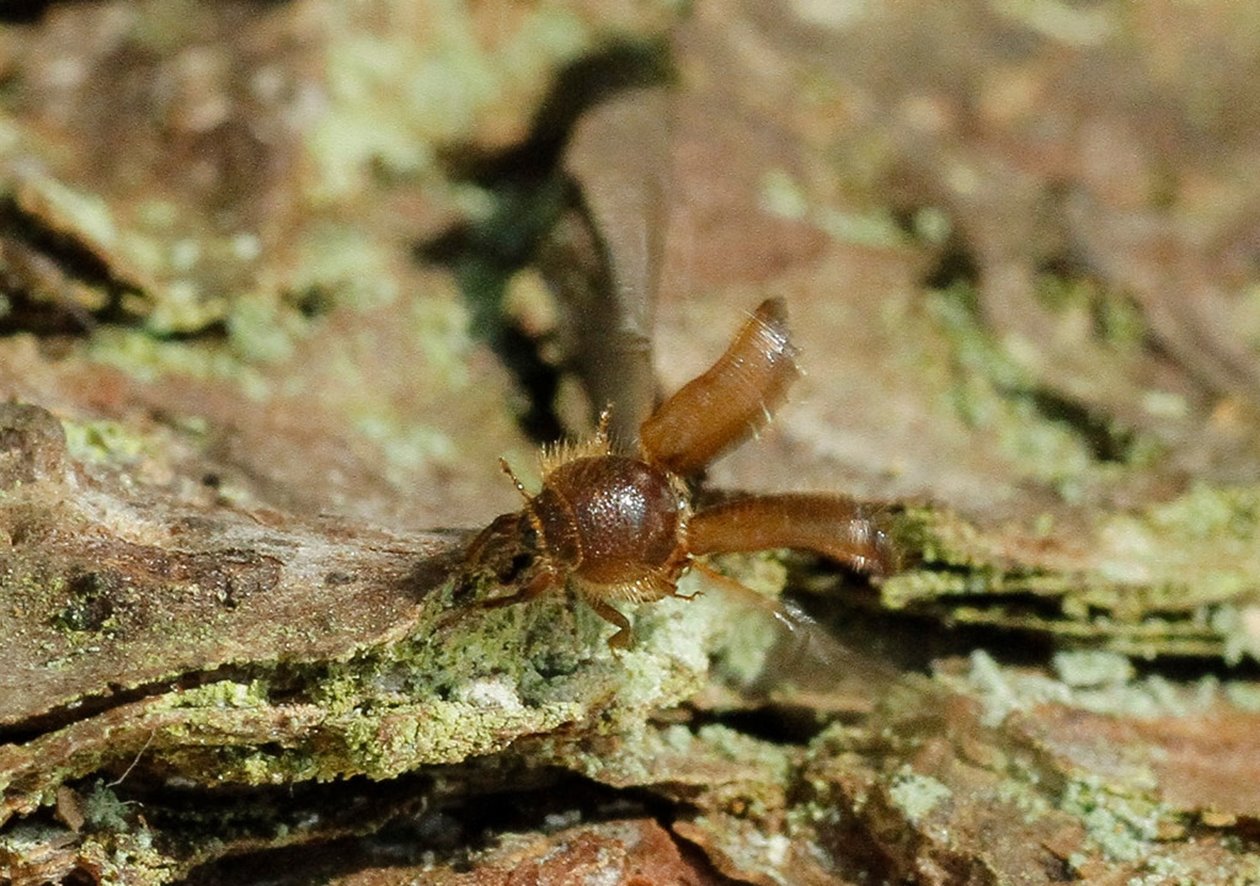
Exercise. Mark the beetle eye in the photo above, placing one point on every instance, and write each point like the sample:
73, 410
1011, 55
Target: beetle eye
513, 570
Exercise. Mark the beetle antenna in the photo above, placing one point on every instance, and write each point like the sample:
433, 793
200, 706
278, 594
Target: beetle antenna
601, 429
520, 487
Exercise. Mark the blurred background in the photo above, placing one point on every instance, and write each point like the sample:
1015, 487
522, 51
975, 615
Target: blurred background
342, 250
319, 258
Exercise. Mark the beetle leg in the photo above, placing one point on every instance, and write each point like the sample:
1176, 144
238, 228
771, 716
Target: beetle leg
805, 656
544, 581
832, 525
647, 588
623, 639
731, 401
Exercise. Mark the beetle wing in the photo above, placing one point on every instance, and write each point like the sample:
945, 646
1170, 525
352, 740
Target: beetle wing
836, 526
729, 402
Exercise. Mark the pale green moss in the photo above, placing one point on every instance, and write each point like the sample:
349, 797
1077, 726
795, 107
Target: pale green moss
678, 739
397, 739
103, 810
439, 324
467, 690
147, 358
768, 760
465, 684
1178, 578
182, 304
103, 441
1086, 667
1122, 826
394, 101
1002, 693
89, 213
874, 227
1160, 870
1245, 696
1063, 22
361, 272
916, 795
1022, 789
222, 694
782, 195
134, 858
933, 225
405, 445
261, 330
994, 395
24, 840
753, 632
1108, 691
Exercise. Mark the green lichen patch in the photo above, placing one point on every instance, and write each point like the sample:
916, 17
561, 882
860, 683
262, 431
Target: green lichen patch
1045, 434
1088, 667
461, 686
1099, 682
916, 795
105, 441
1121, 826
1174, 578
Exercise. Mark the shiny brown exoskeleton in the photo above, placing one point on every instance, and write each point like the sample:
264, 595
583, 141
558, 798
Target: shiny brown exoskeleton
621, 528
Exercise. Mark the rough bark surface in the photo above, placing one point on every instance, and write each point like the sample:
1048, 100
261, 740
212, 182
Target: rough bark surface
280, 283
